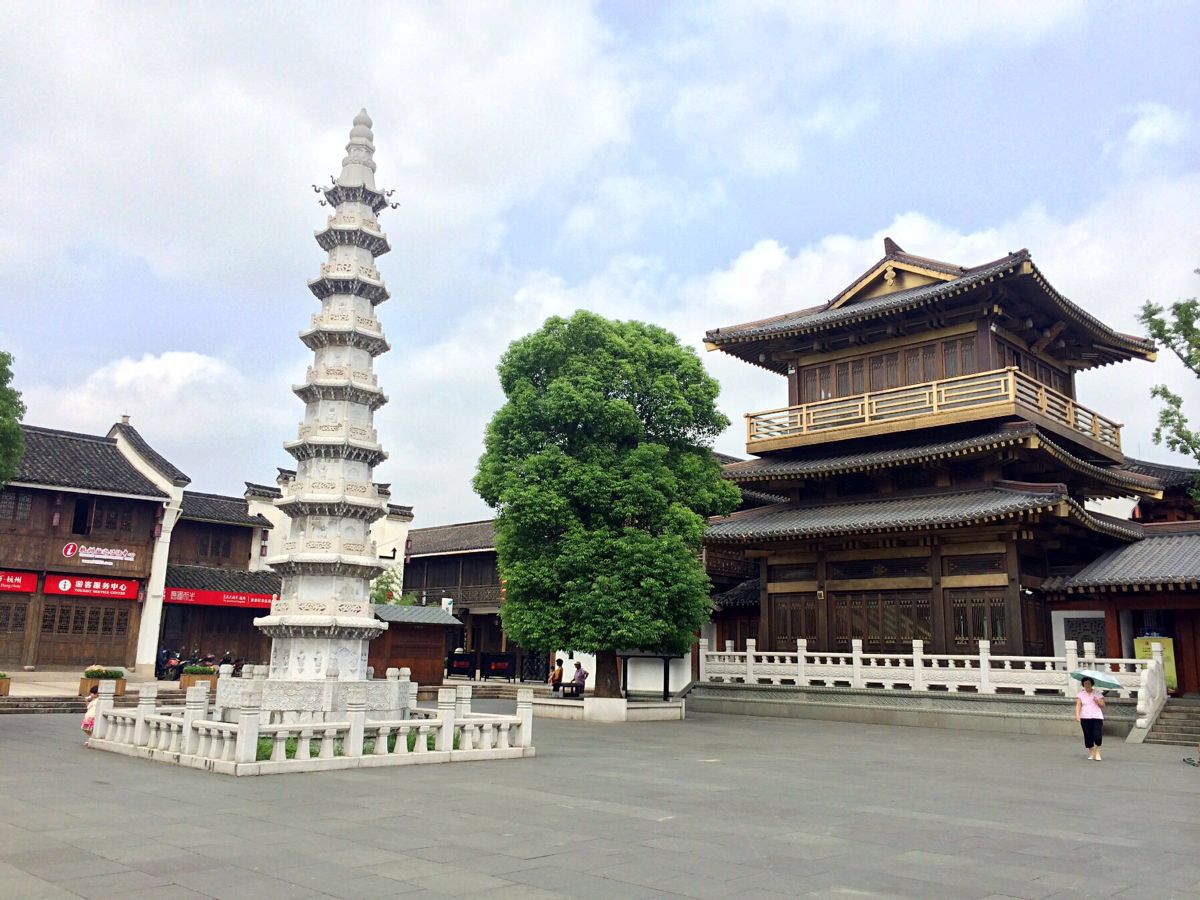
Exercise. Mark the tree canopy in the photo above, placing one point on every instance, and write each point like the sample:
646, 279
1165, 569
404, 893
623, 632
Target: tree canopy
12, 442
1178, 329
600, 469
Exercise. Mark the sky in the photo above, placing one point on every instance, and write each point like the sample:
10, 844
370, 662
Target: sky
690, 164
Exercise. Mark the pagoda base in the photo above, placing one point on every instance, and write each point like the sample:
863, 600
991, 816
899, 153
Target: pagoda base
283, 700
315, 648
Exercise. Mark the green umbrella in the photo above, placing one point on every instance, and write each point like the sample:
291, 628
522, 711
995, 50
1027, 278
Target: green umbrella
1099, 679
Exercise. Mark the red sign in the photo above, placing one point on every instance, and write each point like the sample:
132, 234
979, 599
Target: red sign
217, 598
70, 550
91, 586
21, 582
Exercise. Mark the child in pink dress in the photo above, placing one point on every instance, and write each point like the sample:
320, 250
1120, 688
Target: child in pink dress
89, 716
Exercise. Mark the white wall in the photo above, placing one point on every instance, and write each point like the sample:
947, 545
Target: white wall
1059, 631
645, 675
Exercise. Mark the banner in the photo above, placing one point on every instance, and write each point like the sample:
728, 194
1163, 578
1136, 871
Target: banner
217, 598
91, 586
1142, 650
21, 582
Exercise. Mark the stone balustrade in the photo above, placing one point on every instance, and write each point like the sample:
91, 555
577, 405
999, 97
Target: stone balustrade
982, 673
337, 432
196, 737
314, 374
345, 321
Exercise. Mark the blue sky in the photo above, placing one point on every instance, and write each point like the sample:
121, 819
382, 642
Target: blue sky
691, 164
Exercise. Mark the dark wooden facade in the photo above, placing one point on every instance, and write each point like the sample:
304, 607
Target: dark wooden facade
213, 544
420, 648
934, 461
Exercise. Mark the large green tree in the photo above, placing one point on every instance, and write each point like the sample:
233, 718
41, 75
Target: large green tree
600, 469
1178, 329
12, 442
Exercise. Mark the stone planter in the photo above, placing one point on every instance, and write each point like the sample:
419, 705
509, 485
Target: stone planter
187, 681
86, 685
4, 684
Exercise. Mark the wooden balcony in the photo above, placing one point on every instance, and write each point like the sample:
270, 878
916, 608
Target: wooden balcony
987, 395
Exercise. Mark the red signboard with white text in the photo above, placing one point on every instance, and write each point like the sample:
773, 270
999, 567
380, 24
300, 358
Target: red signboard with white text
217, 598
91, 586
21, 582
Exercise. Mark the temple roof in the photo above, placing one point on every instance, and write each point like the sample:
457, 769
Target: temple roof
921, 512
148, 453
414, 615
199, 507
744, 594
85, 462
233, 581
1169, 555
933, 283
464, 537
918, 447
1169, 476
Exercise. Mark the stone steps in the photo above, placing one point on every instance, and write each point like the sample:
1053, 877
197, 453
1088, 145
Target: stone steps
1178, 723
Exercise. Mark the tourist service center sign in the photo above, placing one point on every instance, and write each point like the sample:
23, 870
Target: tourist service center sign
96, 555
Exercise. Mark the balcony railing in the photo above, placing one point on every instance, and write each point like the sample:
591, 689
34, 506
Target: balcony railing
964, 397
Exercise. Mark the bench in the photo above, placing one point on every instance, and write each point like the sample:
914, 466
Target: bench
571, 689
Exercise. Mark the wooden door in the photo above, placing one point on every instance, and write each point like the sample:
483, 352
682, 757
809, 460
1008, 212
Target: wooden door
793, 616
14, 610
78, 632
1187, 650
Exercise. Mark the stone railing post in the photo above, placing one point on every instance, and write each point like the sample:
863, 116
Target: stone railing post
462, 700
1072, 662
448, 703
729, 646
356, 715
856, 678
105, 692
147, 694
985, 668
751, 647
702, 651
246, 747
1089, 651
370, 673
918, 666
801, 662
194, 709
395, 702
525, 714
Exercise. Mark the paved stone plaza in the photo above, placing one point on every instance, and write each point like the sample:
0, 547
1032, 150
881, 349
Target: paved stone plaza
713, 807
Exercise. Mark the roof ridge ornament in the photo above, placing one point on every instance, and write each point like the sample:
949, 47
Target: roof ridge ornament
890, 247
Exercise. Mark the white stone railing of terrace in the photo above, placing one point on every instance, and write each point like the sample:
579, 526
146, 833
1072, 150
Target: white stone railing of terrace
193, 736
982, 673
965, 396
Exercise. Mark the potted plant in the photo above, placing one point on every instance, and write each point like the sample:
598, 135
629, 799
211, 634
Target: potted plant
93, 675
193, 675
5, 681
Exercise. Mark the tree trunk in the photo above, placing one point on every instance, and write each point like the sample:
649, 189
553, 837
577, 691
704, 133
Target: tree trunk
608, 682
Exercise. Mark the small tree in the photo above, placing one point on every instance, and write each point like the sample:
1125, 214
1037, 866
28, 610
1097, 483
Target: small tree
387, 587
12, 442
600, 471
1179, 330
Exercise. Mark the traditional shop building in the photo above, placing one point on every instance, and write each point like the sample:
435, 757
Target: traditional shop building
78, 527
216, 581
936, 465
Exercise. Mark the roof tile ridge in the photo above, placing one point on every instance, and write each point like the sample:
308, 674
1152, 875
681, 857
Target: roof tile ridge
77, 435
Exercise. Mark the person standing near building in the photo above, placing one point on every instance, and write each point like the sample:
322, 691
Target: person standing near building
1089, 713
556, 678
89, 715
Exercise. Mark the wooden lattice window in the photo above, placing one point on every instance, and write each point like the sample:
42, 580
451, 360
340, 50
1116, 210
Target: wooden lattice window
896, 567
883, 620
12, 617
973, 564
978, 615
792, 572
793, 616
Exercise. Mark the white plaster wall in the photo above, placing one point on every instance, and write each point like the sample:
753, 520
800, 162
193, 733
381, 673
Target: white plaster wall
390, 534
265, 508
644, 674
1059, 631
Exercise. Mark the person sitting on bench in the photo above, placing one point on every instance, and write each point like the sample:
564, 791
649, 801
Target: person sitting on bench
575, 688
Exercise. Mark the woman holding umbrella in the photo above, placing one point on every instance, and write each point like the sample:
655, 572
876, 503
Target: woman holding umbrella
1089, 711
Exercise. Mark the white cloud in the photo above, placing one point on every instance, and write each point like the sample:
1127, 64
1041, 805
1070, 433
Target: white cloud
620, 205
1155, 132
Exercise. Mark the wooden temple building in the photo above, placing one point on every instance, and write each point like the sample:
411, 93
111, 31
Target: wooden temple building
932, 464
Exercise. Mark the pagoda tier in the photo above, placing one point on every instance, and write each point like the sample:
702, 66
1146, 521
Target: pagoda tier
321, 621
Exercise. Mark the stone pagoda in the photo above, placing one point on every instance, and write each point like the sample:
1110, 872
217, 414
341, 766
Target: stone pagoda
321, 622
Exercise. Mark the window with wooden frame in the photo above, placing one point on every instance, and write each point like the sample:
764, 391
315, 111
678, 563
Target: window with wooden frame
958, 357
977, 615
885, 621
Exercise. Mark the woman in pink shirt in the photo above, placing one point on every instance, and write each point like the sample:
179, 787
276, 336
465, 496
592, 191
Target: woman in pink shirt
1089, 713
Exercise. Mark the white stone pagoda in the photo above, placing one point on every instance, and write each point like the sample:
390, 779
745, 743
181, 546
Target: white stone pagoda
321, 622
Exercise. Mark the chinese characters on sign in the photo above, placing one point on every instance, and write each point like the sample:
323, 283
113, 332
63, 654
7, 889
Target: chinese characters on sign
84, 586
217, 598
21, 582
98, 556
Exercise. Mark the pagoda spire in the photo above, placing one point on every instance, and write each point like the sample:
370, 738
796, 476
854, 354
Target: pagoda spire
322, 620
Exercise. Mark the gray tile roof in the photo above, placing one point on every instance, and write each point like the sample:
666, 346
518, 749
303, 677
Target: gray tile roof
263, 491
211, 578
1170, 476
200, 507
920, 447
459, 538
893, 514
81, 461
827, 316
414, 615
1157, 559
744, 594
159, 462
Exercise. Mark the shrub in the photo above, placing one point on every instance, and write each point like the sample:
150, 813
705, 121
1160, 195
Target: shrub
103, 674
3, 675
199, 670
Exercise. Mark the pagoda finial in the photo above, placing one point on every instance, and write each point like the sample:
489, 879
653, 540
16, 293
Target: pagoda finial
359, 165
